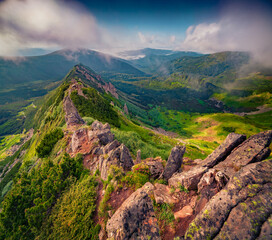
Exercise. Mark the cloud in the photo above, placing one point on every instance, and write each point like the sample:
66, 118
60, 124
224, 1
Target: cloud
50, 23
146, 39
172, 39
246, 31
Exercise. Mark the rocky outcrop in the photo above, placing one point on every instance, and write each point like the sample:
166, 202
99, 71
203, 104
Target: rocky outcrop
174, 161
119, 157
240, 209
72, 116
188, 179
135, 219
101, 132
220, 153
254, 149
155, 167
79, 138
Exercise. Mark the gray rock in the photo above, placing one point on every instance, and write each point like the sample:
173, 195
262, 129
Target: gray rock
110, 146
155, 168
138, 158
119, 157
188, 179
135, 219
174, 161
207, 179
254, 149
72, 116
240, 209
220, 153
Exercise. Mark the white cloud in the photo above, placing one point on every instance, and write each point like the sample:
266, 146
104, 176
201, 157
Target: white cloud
146, 39
234, 32
172, 39
46, 23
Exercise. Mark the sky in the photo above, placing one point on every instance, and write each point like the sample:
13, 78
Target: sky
114, 26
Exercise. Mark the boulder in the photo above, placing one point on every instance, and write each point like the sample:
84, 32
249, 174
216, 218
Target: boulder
188, 179
240, 209
72, 116
155, 167
174, 161
266, 231
162, 194
219, 154
135, 219
254, 149
184, 212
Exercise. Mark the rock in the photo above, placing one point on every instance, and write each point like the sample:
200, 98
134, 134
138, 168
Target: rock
266, 231
254, 149
162, 194
79, 138
221, 180
110, 146
126, 161
220, 153
138, 158
188, 179
119, 157
207, 179
72, 116
184, 212
155, 168
135, 219
126, 109
101, 132
174, 161
239, 209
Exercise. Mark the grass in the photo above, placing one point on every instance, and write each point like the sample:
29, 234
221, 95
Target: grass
7, 142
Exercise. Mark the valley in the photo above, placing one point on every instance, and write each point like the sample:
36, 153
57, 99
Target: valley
83, 133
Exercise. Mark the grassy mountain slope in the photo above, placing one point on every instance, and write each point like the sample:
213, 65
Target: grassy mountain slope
153, 60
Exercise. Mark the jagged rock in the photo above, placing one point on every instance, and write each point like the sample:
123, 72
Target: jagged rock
155, 167
162, 194
254, 149
135, 219
174, 161
221, 179
72, 116
207, 179
239, 209
126, 161
138, 158
119, 157
79, 137
101, 132
184, 212
220, 153
188, 179
110, 146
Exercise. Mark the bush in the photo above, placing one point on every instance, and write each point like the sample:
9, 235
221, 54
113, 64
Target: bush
48, 142
95, 106
135, 180
141, 168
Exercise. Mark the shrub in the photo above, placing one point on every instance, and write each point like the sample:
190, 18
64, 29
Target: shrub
141, 168
48, 142
183, 189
